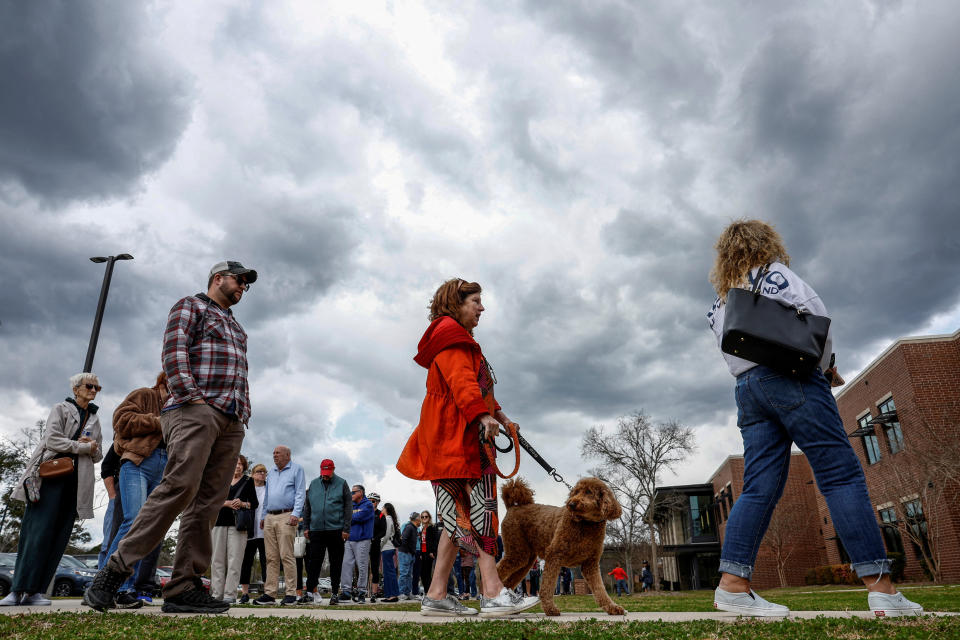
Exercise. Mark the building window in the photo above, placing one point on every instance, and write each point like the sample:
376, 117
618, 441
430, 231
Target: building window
915, 518
891, 427
702, 523
891, 533
871, 444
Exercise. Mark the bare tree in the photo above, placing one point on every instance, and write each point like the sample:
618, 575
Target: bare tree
926, 477
782, 538
626, 533
633, 458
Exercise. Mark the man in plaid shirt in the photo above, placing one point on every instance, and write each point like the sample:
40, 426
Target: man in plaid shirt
205, 359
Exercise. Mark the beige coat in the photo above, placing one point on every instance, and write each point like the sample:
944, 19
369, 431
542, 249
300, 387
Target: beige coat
61, 425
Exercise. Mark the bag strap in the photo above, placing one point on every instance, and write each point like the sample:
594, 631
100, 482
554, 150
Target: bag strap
761, 274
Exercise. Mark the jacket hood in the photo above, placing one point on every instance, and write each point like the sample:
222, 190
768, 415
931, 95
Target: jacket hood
443, 333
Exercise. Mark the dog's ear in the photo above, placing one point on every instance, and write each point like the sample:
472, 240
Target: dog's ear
609, 505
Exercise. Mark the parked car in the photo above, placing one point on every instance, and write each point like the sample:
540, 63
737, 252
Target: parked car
7, 562
89, 559
72, 577
169, 571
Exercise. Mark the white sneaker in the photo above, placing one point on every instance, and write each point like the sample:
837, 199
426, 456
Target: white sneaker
317, 598
12, 599
35, 600
885, 605
506, 603
448, 606
747, 604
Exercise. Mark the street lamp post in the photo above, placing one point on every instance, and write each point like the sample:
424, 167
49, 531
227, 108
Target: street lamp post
104, 288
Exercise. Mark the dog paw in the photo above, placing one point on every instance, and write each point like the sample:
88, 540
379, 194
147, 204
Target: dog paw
615, 610
551, 611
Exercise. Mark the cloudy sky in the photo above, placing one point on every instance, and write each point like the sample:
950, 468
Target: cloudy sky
578, 159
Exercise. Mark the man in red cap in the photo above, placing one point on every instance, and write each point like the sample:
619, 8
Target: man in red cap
327, 514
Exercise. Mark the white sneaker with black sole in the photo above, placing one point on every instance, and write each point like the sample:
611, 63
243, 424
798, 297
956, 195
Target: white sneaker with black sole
506, 603
886, 605
747, 604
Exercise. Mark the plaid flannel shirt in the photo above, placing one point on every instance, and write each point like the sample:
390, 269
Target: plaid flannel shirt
205, 357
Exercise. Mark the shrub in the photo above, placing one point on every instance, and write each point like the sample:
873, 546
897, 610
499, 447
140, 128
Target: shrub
897, 564
832, 574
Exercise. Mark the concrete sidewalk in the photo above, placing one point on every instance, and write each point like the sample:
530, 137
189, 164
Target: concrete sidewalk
323, 612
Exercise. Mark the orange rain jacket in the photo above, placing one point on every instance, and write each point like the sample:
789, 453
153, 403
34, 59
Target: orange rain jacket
446, 442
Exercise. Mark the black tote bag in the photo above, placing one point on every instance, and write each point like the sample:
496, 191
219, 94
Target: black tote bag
772, 333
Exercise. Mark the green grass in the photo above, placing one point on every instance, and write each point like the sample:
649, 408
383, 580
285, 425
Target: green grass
831, 598
69, 626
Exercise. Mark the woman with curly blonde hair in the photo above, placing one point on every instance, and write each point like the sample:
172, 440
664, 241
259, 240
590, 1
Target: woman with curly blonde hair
775, 411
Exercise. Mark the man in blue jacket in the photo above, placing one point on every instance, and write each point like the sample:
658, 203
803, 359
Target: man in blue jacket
357, 550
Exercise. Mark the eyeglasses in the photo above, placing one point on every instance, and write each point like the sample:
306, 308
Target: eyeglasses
356, 491
91, 387
260, 471
424, 517
243, 284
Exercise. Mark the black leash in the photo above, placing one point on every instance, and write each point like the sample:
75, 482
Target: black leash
551, 471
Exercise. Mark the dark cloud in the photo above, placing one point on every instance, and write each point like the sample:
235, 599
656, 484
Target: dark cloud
89, 105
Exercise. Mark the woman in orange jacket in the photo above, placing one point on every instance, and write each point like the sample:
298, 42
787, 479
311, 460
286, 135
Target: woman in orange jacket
445, 449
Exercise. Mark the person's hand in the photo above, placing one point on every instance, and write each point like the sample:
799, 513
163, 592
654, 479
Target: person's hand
834, 377
489, 426
306, 534
294, 521
346, 535
261, 524
93, 446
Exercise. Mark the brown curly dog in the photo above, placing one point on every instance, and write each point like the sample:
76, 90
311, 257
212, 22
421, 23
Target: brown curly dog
565, 536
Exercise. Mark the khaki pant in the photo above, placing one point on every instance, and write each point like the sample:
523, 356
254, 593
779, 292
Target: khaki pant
228, 547
278, 535
202, 447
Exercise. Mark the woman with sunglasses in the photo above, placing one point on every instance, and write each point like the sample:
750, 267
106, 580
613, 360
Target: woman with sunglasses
255, 543
72, 431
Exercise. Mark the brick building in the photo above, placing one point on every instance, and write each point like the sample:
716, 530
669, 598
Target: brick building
902, 413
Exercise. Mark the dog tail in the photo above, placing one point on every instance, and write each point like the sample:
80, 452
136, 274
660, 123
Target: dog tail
516, 493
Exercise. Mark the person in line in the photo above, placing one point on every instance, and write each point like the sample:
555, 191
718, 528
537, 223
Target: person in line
255, 544
205, 359
445, 448
776, 411
379, 530
468, 563
566, 575
229, 541
357, 550
327, 516
429, 541
110, 474
646, 577
138, 439
405, 554
71, 431
286, 494
619, 580
388, 555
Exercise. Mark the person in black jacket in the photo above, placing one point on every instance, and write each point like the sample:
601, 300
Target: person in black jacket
406, 552
429, 541
379, 530
229, 543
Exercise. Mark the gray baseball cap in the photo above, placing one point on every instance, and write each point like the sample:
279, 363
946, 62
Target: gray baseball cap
234, 267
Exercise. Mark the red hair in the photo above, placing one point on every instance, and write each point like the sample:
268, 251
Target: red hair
450, 296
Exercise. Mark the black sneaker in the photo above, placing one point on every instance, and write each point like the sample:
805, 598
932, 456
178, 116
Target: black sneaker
102, 592
193, 601
127, 600
333, 599
288, 600
265, 599
245, 598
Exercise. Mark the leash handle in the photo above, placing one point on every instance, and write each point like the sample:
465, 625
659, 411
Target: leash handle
490, 445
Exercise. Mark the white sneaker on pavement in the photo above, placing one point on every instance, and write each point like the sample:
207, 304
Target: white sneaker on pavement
12, 599
506, 603
885, 605
747, 604
35, 600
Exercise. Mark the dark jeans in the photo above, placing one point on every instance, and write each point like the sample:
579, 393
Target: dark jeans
426, 571
321, 543
415, 582
375, 564
44, 534
254, 545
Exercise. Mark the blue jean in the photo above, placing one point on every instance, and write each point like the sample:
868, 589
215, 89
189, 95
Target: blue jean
406, 573
775, 411
107, 534
621, 587
470, 580
136, 483
390, 586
